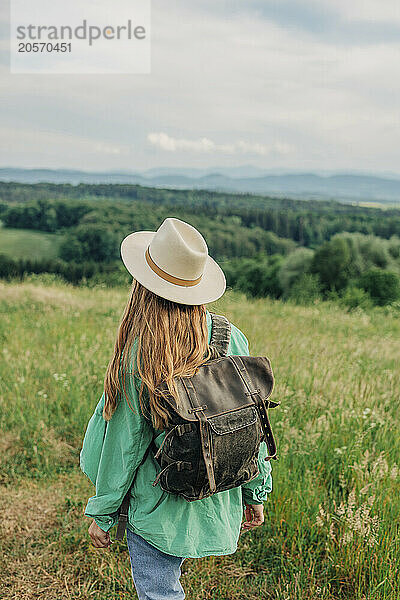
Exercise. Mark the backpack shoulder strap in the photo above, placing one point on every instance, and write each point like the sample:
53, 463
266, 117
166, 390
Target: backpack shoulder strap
220, 334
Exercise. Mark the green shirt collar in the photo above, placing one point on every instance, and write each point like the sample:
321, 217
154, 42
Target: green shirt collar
209, 324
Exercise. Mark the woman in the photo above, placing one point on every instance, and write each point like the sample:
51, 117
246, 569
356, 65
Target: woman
164, 332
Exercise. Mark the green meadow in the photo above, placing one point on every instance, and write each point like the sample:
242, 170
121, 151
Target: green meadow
26, 243
332, 520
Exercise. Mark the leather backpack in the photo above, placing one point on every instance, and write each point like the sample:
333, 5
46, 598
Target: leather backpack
215, 430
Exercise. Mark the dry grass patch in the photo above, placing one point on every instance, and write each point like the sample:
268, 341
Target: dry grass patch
45, 548
28, 510
8, 445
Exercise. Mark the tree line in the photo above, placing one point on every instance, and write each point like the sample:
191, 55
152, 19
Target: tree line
49, 207
282, 248
357, 269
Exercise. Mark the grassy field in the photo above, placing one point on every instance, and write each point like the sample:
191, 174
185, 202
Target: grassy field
332, 520
25, 243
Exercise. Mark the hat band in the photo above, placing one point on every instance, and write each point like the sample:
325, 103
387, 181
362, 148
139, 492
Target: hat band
167, 276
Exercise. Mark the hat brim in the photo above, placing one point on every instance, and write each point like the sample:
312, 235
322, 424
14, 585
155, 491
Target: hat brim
211, 286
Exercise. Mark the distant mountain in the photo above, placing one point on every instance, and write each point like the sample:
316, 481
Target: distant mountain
66, 176
234, 172
346, 187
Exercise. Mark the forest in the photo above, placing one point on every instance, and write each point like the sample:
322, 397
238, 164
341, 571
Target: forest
282, 248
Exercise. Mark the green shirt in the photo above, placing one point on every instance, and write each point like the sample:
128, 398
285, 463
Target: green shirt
110, 455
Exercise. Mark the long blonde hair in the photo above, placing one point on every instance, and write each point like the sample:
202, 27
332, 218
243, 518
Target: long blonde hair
171, 340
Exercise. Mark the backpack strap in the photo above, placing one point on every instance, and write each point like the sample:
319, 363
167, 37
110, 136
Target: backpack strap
262, 407
123, 509
205, 434
220, 335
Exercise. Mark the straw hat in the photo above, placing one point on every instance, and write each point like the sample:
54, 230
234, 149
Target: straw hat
173, 262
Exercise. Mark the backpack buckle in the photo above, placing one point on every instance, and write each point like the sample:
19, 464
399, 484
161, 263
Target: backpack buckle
181, 465
197, 408
183, 428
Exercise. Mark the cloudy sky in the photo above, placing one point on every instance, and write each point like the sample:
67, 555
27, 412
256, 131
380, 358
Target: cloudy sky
290, 84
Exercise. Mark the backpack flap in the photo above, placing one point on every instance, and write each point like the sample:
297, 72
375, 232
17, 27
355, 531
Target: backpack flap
233, 421
218, 389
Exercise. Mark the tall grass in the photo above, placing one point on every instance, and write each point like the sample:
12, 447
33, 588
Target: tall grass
332, 520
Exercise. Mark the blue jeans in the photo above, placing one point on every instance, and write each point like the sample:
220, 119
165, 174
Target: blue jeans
155, 574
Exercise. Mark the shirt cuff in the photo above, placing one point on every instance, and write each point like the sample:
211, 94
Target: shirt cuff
259, 493
249, 497
105, 522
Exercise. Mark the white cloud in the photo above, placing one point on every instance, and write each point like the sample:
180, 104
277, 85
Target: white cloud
108, 149
170, 144
165, 142
223, 87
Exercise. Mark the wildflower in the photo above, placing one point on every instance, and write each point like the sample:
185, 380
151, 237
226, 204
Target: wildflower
366, 412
